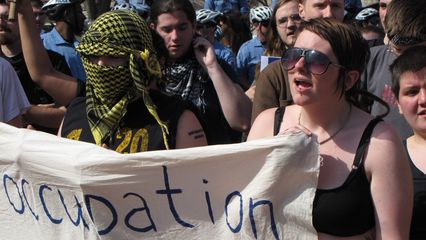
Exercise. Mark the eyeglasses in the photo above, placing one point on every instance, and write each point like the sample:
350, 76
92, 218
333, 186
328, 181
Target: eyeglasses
282, 22
398, 44
315, 62
262, 23
406, 41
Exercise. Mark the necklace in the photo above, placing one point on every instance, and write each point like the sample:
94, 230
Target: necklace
337, 131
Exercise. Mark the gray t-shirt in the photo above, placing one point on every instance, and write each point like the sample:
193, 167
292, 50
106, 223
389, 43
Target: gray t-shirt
377, 78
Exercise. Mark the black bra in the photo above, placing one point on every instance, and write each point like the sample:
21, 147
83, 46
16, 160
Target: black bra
347, 210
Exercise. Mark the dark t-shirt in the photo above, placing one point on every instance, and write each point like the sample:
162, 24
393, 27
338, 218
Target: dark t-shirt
35, 94
377, 79
201, 93
418, 220
213, 120
138, 130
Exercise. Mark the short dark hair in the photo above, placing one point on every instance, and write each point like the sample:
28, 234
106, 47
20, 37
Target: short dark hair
411, 60
168, 6
406, 19
346, 42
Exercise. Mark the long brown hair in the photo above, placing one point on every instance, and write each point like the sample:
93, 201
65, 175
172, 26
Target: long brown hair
274, 45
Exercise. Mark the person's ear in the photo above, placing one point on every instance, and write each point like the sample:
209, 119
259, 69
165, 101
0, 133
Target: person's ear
351, 78
399, 107
302, 11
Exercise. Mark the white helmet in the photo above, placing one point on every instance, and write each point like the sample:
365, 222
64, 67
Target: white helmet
206, 15
55, 8
125, 6
366, 13
53, 3
260, 14
138, 6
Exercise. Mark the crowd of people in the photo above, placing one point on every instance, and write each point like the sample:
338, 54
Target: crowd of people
157, 75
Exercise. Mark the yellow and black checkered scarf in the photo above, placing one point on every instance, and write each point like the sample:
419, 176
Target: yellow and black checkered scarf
109, 90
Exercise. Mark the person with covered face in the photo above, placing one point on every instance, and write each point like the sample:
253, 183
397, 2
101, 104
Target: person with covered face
121, 109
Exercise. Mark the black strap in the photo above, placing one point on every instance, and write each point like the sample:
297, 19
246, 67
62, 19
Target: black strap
279, 113
364, 142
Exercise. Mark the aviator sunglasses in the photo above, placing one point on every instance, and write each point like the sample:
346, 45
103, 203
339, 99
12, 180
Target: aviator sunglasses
315, 62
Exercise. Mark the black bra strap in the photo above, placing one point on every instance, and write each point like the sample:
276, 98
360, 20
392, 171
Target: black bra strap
279, 113
364, 142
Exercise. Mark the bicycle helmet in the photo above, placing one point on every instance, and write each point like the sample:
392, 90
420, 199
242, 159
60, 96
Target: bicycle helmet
206, 15
125, 6
138, 6
366, 13
55, 8
260, 14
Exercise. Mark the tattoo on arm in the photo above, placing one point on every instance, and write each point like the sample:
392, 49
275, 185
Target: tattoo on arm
196, 134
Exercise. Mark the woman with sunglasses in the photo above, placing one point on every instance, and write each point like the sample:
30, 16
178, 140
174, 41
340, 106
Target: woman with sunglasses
364, 188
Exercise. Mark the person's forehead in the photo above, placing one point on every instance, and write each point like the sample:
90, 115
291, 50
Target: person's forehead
178, 16
291, 5
4, 6
385, 1
411, 76
324, 1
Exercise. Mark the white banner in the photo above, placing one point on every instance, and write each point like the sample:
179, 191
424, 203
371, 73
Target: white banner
55, 188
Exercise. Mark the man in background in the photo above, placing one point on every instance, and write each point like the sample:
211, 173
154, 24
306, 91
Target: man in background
69, 21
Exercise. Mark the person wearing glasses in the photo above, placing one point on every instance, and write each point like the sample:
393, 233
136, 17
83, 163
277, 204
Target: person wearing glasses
409, 87
207, 23
405, 28
250, 52
364, 188
273, 89
282, 34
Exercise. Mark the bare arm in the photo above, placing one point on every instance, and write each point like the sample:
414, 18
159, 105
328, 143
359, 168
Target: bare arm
50, 117
16, 122
391, 184
235, 104
263, 125
189, 131
61, 87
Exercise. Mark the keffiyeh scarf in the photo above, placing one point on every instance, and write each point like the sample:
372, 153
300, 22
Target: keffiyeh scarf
109, 89
186, 78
